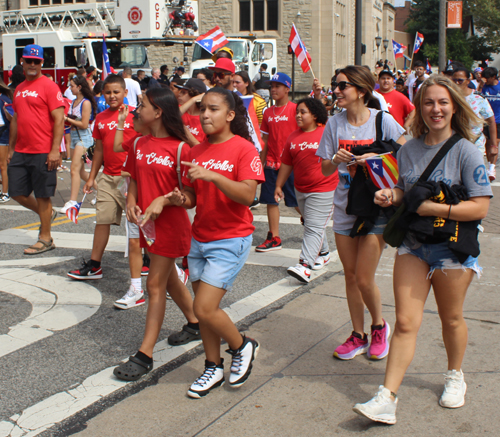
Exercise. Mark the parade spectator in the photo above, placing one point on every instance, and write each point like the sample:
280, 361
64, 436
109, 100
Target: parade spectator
92, 76
415, 80
67, 93
277, 124
356, 127
400, 106
189, 99
164, 76
17, 77
36, 133
153, 80
261, 82
491, 91
478, 83
134, 93
242, 84
222, 194
313, 191
6, 95
141, 78
441, 111
110, 201
400, 87
173, 83
224, 52
81, 112
206, 76
223, 73
179, 71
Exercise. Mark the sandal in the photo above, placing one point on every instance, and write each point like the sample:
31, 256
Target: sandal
185, 336
46, 246
132, 370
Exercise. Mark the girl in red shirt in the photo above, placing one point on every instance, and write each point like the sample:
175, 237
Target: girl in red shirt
220, 178
314, 192
153, 173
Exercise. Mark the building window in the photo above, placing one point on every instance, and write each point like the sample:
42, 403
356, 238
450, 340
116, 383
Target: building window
341, 32
258, 15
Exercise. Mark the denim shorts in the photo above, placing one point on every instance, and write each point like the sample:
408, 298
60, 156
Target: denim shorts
378, 228
217, 263
133, 230
439, 256
268, 187
81, 137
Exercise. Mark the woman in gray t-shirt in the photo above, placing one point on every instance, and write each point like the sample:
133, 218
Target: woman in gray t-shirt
440, 111
356, 126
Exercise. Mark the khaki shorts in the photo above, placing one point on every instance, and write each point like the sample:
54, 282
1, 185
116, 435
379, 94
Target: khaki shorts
110, 201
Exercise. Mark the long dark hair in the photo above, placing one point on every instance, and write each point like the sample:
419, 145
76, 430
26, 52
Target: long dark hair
5, 90
234, 103
17, 76
164, 99
86, 91
248, 82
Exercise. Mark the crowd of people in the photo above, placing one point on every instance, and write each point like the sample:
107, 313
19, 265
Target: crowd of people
184, 159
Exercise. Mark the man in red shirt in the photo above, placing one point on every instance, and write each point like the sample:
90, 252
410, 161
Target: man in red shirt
278, 122
36, 133
223, 73
399, 105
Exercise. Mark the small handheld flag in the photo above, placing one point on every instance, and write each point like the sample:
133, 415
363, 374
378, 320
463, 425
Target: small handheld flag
398, 49
383, 170
300, 50
212, 40
419, 39
72, 212
429, 67
106, 67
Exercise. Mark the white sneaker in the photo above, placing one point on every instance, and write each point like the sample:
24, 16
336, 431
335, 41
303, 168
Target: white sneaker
131, 299
302, 272
183, 276
212, 377
241, 365
380, 408
454, 390
68, 205
492, 174
322, 260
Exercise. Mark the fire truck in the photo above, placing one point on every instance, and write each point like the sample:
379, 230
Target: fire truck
72, 35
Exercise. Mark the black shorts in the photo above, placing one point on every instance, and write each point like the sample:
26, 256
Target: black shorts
268, 187
486, 131
28, 173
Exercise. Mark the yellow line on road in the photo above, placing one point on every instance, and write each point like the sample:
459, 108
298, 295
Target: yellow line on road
57, 222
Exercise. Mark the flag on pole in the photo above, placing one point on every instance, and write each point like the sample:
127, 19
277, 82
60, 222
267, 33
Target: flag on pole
419, 39
212, 40
398, 49
72, 212
106, 67
383, 170
300, 50
429, 68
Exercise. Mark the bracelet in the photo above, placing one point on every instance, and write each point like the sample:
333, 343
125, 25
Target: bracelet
449, 212
392, 194
119, 129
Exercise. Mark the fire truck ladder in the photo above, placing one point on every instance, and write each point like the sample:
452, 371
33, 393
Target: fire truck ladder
78, 19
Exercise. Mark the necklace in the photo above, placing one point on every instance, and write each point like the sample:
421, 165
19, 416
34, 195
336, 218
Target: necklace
283, 110
350, 131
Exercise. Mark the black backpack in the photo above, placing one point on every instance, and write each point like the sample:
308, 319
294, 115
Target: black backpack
263, 82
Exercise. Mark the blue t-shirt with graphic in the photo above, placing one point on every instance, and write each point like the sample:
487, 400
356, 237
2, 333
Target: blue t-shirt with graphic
492, 94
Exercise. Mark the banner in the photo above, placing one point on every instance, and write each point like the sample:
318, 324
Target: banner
454, 15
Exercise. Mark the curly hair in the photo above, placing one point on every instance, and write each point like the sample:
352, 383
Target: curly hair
85, 90
316, 108
362, 78
164, 99
234, 103
462, 120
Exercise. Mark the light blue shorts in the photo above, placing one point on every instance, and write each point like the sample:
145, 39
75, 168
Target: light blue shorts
439, 256
378, 229
217, 263
81, 137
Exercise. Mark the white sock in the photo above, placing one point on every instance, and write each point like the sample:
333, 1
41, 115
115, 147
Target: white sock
136, 283
492, 166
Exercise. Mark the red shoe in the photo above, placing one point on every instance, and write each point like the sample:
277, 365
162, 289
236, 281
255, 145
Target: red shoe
271, 243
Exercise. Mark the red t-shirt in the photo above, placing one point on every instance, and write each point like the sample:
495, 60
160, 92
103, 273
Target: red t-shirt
217, 216
278, 123
104, 130
192, 122
300, 153
154, 167
399, 105
34, 100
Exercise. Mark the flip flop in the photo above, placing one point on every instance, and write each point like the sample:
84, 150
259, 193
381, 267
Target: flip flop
132, 370
185, 336
46, 246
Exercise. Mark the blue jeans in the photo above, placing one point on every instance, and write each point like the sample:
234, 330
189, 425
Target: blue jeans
81, 137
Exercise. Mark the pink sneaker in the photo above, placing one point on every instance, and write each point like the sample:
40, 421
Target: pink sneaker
379, 347
352, 347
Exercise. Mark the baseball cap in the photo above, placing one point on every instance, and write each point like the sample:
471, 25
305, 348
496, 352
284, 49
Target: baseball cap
223, 49
32, 51
181, 69
196, 84
389, 72
282, 78
478, 70
224, 64
450, 69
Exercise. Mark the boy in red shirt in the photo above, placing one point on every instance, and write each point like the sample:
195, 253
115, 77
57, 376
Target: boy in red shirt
110, 201
278, 122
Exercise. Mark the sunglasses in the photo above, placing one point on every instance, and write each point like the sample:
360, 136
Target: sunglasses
458, 81
221, 75
342, 85
33, 61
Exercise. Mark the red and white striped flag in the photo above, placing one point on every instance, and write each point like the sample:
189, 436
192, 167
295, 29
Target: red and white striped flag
72, 212
300, 50
212, 40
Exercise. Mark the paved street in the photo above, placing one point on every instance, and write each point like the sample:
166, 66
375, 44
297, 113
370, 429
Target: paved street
60, 339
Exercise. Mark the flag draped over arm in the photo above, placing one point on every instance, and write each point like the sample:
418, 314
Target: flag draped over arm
212, 40
300, 50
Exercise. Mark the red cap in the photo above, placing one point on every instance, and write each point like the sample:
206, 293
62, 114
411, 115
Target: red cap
224, 64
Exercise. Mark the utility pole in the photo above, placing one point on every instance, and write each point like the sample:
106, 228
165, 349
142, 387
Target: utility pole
358, 32
442, 35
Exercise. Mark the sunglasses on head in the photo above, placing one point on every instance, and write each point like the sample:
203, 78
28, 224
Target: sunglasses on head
221, 75
342, 85
33, 61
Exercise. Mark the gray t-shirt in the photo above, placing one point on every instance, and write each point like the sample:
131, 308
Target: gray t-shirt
339, 134
463, 164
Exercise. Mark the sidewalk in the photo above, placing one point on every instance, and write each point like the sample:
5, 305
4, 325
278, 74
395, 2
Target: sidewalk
297, 388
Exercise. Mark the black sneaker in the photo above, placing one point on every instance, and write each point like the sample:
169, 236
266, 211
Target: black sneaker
212, 377
241, 365
255, 203
86, 272
145, 265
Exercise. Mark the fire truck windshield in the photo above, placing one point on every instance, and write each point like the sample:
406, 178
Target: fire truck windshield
238, 48
121, 55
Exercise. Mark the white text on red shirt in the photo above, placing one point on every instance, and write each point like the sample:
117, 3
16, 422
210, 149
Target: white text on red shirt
211, 164
277, 118
305, 145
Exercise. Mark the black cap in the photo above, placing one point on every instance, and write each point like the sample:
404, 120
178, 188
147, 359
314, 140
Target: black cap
197, 84
389, 72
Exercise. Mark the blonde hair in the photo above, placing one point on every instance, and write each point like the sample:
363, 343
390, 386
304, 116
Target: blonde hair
462, 120
364, 80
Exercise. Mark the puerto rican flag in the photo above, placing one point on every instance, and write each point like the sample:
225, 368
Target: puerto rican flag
73, 212
383, 170
429, 68
106, 67
252, 122
300, 50
212, 40
398, 49
419, 39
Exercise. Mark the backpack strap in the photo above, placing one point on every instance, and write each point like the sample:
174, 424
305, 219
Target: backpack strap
378, 125
135, 143
179, 151
445, 148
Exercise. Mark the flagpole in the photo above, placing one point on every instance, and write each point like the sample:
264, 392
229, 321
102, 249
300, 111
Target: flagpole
413, 49
307, 59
